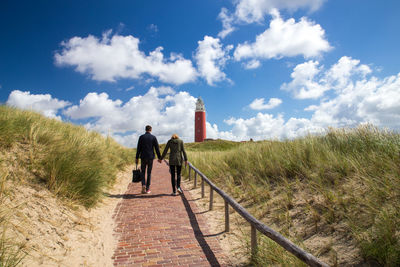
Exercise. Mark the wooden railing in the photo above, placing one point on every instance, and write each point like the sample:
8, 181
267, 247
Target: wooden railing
255, 224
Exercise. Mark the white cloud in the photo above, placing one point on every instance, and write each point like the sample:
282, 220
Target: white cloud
211, 57
306, 83
297, 127
128, 140
250, 11
344, 71
45, 104
263, 126
93, 105
227, 21
259, 103
285, 39
267, 126
168, 112
309, 80
213, 133
164, 90
252, 64
255, 11
357, 97
115, 57
370, 100
311, 108
129, 88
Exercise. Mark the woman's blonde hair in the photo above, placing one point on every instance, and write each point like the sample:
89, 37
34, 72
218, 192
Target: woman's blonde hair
174, 136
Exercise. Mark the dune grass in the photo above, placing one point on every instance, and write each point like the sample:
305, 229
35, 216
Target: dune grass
72, 162
11, 252
76, 164
348, 177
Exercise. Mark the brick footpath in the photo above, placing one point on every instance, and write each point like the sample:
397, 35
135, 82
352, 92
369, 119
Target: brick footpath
158, 229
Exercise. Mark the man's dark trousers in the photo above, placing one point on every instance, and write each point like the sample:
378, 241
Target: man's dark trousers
145, 150
146, 164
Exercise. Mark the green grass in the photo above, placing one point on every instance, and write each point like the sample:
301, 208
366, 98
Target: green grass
72, 162
212, 145
349, 177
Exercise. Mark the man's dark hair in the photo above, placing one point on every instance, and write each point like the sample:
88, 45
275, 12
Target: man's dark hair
148, 128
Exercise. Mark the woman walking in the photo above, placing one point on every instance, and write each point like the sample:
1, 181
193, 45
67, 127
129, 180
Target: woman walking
177, 150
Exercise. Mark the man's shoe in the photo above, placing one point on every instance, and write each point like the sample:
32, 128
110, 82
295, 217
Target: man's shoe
180, 190
143, 189
148, 191
173, 194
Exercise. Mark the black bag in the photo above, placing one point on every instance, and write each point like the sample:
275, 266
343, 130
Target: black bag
136, 175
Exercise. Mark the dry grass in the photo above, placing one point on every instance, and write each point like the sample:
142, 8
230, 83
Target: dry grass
337, 195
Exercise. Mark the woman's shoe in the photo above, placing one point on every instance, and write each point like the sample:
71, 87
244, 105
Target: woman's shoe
180, 190
173, 194
143, 189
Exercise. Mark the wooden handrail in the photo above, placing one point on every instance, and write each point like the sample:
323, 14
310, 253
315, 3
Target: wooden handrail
256, 224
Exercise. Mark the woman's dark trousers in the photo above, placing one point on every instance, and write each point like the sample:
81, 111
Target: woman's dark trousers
146, 163
178, 169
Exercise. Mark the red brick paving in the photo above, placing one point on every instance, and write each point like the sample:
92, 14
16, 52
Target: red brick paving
158, 229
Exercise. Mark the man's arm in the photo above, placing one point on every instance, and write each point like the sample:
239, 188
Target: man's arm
165, 150
156, 146
138, 149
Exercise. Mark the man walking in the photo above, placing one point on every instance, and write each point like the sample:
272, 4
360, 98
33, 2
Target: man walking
145, 150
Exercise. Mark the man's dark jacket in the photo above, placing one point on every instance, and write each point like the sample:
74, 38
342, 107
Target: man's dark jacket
146, 145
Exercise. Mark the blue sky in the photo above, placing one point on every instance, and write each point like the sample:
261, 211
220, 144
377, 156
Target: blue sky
266, 69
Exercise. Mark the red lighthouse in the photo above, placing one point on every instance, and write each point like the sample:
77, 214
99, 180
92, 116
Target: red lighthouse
200, 121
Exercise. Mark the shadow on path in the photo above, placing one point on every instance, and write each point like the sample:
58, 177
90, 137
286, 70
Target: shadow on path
132, 196
217, 234
199, 235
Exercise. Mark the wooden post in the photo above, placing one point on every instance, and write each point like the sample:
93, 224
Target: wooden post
211, 197
189, 171
202, 188
226, 216
195, 179
253, 241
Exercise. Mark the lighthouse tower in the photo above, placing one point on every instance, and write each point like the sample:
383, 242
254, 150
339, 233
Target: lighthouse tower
200, 121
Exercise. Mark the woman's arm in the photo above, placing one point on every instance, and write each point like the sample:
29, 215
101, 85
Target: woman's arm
184, 152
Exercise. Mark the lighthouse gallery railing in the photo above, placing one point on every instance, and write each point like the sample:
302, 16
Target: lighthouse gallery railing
256, 225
